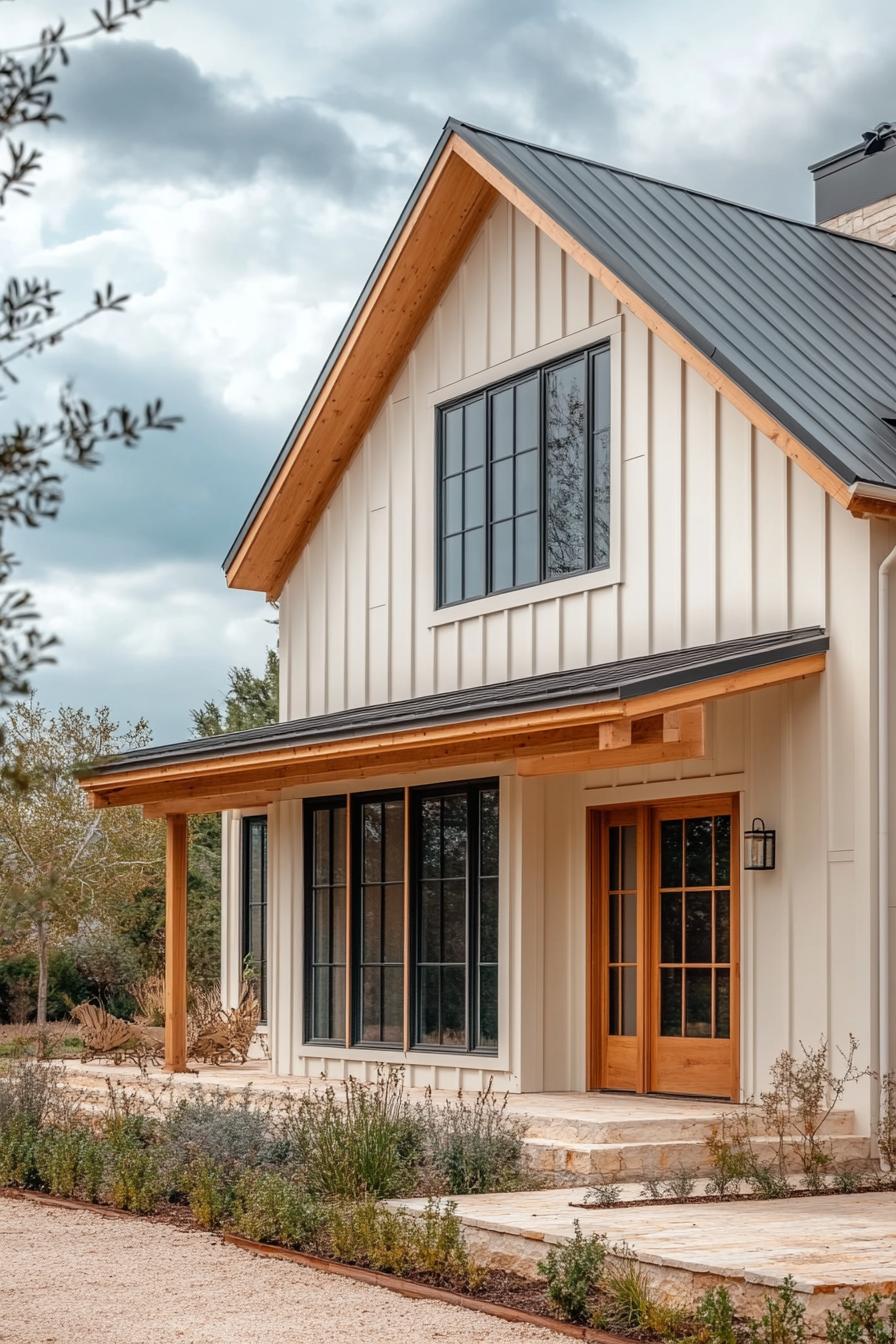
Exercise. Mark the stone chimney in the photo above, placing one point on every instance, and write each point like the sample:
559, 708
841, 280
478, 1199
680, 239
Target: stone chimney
855, 190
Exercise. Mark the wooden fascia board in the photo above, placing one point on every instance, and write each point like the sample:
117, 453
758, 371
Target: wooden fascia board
756, 414
460, 214
569, 728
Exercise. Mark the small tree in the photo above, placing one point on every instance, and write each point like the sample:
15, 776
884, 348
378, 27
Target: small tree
63, 864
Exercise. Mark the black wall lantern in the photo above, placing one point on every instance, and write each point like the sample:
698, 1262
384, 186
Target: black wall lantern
759, 846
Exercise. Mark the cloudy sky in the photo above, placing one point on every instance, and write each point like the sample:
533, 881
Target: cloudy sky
236, 168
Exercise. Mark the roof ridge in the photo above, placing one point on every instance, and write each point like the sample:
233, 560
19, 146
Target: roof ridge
454, 123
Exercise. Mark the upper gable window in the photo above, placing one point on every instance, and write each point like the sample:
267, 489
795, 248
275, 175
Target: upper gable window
524, 479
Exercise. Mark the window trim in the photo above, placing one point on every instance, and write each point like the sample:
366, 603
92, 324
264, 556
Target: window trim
486, 391
246, 824
309, 807
609, 329
355, 802
472, 788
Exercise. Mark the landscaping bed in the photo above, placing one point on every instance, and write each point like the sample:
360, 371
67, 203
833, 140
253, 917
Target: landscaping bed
307, 1178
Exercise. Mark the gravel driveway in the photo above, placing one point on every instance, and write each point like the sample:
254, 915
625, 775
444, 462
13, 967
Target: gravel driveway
78, 1278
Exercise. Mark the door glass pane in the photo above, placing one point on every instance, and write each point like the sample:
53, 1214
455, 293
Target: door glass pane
393, 1004
613, 1005
723, 1004
670, 1002
670, 926
698, 1003
488, 832
454, 1008
371, 930
393, 827
322, 847
629, 858
670, 854
614, 949
614, 858
629, 926
723, 926
723, 850
371, 980
372, 841
454, 835
698, 926
454, 920
393, 923
698, 851
488, 919
629, 1001
565, 468
428, 1025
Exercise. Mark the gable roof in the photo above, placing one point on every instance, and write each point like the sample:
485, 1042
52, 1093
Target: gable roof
798, 319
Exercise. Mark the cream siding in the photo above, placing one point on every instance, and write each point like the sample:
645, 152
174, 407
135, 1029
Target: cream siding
718, 535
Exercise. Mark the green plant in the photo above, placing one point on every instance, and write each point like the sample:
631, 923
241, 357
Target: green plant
369, 1142
729, 1156
440, 1250
209, 1193
652, 1188
57, 1156
863, 1320
574, 1271
886, 1124
715, 1312
604, 1193
802, 1093
216, 1128
783, 1320
475, 1148
134, 1180
626, 1300
767, 1182
268, 1206
373, 1235
18, 1156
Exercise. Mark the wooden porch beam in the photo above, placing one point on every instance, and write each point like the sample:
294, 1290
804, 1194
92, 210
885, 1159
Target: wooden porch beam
176, 944
657, 741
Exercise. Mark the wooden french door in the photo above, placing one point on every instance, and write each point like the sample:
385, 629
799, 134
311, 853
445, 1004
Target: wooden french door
664, 950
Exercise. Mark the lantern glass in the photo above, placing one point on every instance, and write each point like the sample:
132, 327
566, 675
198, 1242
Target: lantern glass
759, 846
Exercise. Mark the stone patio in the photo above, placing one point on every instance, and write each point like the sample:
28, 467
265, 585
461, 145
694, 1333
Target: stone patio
830, 1245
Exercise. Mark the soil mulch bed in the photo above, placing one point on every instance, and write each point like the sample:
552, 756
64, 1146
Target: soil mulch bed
507, 1296
881, 1187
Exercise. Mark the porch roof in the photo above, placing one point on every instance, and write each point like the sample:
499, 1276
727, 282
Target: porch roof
563, 717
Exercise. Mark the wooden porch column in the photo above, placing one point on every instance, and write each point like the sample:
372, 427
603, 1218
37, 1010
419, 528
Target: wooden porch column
176, 944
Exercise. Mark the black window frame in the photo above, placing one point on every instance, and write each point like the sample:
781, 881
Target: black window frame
248, 824
594, 563
472, 789
312, 806
356, 884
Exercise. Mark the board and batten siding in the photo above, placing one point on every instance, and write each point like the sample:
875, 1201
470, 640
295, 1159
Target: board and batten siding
719, 535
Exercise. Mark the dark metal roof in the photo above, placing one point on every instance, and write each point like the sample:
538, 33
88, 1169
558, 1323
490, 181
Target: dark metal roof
802, 318
612, 681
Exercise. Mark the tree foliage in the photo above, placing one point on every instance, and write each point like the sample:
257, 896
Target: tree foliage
63, 866
32, 321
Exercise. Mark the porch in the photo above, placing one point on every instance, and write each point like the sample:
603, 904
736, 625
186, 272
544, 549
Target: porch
531, 740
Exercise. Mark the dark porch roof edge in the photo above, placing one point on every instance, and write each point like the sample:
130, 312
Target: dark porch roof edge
623, 680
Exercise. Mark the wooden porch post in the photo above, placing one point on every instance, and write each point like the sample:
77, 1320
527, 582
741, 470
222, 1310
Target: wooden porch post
176, 944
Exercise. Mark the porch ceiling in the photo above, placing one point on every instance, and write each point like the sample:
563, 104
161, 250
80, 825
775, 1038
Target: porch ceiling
634, 711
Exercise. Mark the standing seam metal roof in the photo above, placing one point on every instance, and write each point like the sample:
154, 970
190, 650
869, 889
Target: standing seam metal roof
800, 317
627, 679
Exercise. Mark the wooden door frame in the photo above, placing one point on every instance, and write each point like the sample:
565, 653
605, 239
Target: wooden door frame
596, 934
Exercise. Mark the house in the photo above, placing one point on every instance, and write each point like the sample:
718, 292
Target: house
581, 544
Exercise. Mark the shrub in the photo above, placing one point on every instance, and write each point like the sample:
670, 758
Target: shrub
215, 1128
574, 1271
626, 1300
58, 1158
368, 1144
440, 1250
475, 1148
34, 1093
209, 1193
18, 1157
268, 1206
372, 1235
134, 1180
605, 1193
783, 1321
863, 1320
715, 1313
729, 1158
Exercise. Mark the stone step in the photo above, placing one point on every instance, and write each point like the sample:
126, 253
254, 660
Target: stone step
647, 1129
632, 1161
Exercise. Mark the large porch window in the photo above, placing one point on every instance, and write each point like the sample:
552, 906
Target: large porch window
255, 907
417, 944
325, 920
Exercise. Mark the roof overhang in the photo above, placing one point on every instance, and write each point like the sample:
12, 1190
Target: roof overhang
446, 209
632, 712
